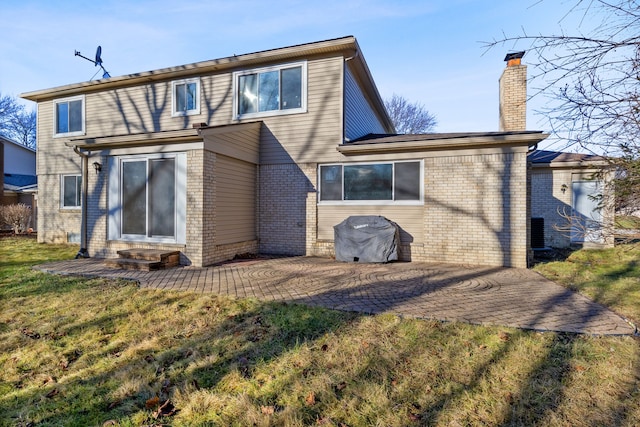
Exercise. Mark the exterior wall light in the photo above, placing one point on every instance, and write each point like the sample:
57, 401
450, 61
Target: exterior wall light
97, 166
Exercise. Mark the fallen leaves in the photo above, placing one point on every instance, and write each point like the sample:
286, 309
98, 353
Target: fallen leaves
54, 392
310, 400
268, 410
165, 409
152, 403
30, 333
504, 336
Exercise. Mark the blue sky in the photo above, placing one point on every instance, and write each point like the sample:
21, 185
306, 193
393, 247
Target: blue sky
427, 51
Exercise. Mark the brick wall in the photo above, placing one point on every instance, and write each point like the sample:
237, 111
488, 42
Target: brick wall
548, 201
286, 208
54, 223
475, 210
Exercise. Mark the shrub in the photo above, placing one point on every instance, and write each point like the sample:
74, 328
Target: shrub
18, 217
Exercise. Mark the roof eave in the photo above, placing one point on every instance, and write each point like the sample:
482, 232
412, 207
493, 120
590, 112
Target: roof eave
345, 44
528, 140
136, 140
586, 164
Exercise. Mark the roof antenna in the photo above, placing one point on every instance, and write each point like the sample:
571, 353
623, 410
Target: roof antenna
96, 62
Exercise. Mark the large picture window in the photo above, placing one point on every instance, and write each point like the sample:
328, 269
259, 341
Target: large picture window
186, 97
147, 198
269, 91
71, 190
69, 116
391, 182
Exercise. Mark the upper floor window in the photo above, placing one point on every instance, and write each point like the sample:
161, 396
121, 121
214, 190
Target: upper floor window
185, 98
270, 91
71, 189
372, 183
69, 116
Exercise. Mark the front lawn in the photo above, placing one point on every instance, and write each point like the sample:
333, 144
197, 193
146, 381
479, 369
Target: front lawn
79, 352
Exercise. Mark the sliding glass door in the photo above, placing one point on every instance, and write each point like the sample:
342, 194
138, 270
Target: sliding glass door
150, 191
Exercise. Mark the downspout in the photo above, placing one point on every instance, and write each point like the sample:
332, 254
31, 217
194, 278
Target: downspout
83, 253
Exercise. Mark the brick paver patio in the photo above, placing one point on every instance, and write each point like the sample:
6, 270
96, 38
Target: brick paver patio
480, 295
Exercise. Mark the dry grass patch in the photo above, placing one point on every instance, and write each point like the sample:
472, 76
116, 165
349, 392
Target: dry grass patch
89, 352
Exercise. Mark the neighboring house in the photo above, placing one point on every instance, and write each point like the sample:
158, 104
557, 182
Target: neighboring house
566, 195
266, 152
18, 174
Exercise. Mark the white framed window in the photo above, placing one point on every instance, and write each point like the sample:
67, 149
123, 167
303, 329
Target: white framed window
185, 97
270, 91
70, 191
399, 182
147, 198
68, 116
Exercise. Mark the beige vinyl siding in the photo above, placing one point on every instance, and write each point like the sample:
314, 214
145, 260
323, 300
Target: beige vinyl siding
360, 119
235, 200
53, 156
147, 108
311, 136
237, 141
410, 219
286, 138
137, 109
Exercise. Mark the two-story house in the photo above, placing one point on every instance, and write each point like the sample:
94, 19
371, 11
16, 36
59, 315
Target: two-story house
17, 173
264, 153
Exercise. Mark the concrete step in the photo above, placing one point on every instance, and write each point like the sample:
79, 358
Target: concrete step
145, 259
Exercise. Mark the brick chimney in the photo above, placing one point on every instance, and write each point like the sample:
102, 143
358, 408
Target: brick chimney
513, 94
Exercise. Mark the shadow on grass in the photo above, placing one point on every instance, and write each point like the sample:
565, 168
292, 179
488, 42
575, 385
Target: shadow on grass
117, 378
86, 397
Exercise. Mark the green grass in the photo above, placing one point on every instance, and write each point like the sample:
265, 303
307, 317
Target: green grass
78, 352
608, 276
627, 222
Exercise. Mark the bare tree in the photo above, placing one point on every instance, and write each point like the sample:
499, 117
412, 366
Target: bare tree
409, 118
592, 80
16, 122
591, 76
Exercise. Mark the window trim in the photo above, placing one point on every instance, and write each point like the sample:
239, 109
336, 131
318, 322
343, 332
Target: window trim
55, 116
192, 112
343, 202
280, 112
78, 189
114, 231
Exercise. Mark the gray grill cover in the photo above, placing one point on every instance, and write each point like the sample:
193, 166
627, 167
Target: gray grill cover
366, 239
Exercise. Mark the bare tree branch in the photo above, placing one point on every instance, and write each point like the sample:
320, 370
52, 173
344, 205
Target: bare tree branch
409, 118
16, 122
592, 81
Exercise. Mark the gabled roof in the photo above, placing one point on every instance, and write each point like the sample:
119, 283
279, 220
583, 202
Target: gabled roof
346, 46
